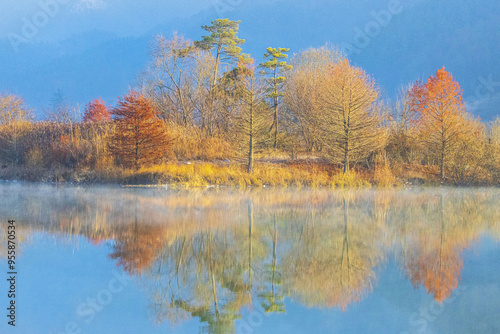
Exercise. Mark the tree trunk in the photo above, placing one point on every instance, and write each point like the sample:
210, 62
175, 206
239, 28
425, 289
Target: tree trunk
441, 165
216, 65
136, 158
250, 146
346, 158
275, 122
275, 107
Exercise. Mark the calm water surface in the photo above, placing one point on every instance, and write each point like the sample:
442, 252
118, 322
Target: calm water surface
143, 260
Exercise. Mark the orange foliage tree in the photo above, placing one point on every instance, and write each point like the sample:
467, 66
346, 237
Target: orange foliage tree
96, 111
140, 138
441, 114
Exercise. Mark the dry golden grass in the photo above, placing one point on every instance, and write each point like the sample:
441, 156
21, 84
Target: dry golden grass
264, 174
50, 152
190, 143
383, 176
428, 175
204, 174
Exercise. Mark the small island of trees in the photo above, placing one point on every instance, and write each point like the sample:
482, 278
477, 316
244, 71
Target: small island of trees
204, 113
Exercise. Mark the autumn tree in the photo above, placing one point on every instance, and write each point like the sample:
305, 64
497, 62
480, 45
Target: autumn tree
402, 143
14, 118
468, 160
351, 122
13, 109
301, 91
494, 131
275, 67
96, 111
168, 80
493, 149
140, 138
441, 112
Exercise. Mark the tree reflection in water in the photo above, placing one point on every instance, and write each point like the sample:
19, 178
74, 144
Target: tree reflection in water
211, 254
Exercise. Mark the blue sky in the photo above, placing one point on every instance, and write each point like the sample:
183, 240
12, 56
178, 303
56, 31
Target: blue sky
67, 17
96, 48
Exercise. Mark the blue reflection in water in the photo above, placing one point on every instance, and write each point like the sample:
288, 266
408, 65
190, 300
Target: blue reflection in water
109, 260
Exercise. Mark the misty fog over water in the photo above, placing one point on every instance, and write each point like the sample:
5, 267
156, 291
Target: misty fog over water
107, 259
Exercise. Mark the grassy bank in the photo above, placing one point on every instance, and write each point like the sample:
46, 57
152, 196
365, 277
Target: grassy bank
201, 174
80, 153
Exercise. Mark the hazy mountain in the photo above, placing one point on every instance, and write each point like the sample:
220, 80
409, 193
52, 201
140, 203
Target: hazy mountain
397, 42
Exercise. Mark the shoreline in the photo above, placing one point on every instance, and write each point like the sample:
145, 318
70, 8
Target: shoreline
208, 175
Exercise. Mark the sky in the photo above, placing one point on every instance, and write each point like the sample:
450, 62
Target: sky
96, 48
59, 19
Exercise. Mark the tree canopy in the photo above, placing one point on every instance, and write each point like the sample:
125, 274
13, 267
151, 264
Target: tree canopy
140, 138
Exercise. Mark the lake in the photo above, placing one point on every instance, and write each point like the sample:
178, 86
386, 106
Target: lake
107, 259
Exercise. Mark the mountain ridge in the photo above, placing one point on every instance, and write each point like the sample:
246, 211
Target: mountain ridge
416, 41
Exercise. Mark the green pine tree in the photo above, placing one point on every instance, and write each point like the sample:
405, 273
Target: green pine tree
224, 46
224, 41
274, 67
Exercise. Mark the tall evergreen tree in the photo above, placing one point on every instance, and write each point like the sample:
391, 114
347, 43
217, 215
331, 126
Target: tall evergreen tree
223, 44
223, 40
275, 67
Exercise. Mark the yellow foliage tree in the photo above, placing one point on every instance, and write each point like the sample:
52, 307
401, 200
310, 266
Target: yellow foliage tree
351, 121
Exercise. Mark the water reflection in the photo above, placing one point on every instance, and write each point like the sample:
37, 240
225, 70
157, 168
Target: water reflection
211, 254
